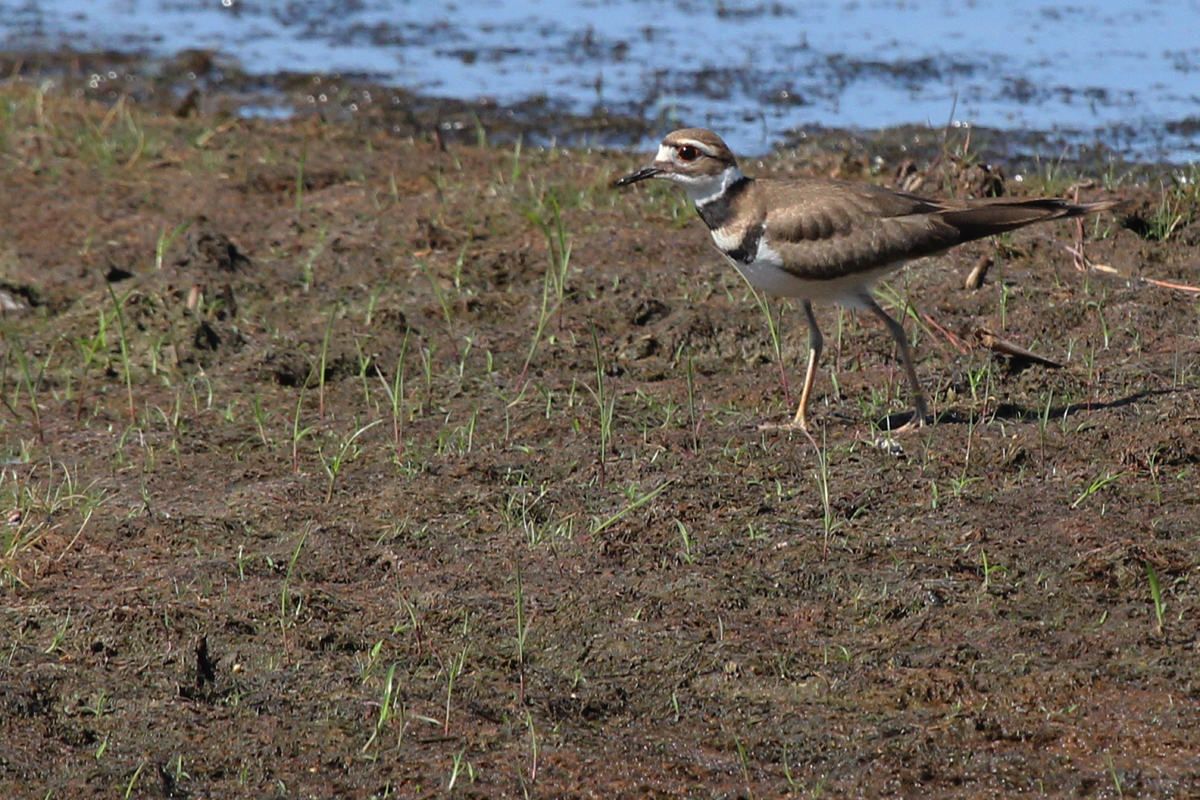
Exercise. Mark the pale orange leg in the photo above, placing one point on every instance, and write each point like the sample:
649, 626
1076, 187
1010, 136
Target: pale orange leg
815, 345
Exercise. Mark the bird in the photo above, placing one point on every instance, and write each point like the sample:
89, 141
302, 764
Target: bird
824, 240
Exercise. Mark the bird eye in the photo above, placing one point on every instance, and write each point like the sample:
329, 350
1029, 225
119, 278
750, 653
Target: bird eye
688, 153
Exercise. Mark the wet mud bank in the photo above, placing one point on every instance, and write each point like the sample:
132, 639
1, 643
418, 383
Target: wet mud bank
346, 461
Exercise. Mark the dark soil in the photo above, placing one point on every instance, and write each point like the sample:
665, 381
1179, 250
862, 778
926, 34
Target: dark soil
322, 479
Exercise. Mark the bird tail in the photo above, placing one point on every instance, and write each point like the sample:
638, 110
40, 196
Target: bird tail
1006, 214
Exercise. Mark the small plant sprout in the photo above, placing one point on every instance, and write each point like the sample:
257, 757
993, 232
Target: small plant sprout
391, 706
300, 166
299, 432
522, 634
1169, 215
533, 746
165, 240
691, 403
743, 759
137, 773
606, 405
124, 348
444, 303
1114, 775
395, 394
347, 451
453, 671
306, 269
372, 302
787, 770
427, 372
515, 172
598, 526
1097, 483
685, 543
285, 603
31, 383
554, 282
99, 707
459, 765
102, 748
60, 634
370, 660
1160, 608
988, 569
260, 419
323, 361
821, 474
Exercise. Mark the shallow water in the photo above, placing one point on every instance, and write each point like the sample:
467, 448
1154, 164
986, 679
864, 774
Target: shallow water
1122, 73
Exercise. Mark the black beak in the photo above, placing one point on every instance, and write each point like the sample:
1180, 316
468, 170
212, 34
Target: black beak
641, 175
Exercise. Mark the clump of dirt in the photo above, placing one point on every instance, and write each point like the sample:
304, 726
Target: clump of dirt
343, 464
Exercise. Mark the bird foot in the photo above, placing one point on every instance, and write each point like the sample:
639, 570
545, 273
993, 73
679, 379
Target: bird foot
782, 426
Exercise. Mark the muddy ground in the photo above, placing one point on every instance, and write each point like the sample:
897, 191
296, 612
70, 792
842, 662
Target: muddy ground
336, 463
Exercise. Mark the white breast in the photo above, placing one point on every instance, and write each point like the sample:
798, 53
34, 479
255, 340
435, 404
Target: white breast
766, 274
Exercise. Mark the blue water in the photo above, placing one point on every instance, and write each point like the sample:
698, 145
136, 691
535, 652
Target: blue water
1127, 73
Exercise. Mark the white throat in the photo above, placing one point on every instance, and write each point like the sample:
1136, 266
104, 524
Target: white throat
704, 189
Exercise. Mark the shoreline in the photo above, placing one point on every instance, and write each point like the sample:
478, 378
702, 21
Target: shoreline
209, 82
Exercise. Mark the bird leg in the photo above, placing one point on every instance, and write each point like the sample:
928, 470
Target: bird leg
921, 415
815, 344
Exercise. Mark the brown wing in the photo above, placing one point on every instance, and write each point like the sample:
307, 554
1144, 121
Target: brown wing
831, 229
834, 228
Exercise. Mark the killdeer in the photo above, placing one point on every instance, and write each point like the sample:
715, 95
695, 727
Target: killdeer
827, 240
